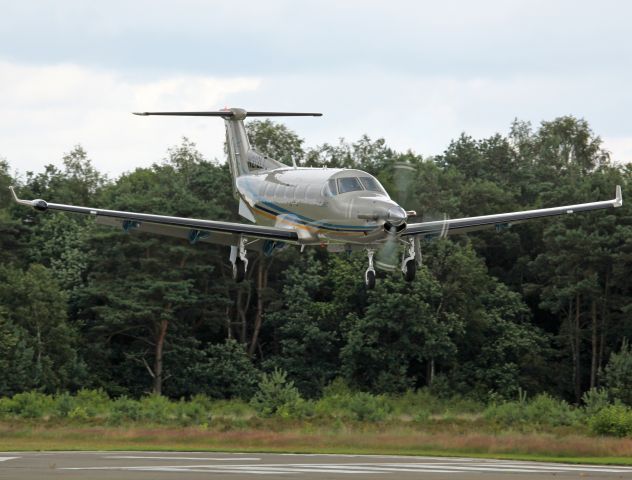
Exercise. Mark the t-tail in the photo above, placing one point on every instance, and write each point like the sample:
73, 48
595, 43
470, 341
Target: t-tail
242, 158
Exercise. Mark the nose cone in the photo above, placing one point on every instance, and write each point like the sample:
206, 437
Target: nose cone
396, 215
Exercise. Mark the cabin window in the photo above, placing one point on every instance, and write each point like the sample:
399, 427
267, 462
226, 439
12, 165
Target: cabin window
371, 184
300, 193
348, 184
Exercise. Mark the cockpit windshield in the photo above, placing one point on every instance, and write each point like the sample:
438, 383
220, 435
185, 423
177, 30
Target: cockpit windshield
371, 184
354, 184
349, 184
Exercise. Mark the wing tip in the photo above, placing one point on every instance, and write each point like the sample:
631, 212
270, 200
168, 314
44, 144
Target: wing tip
618, 200
142, 114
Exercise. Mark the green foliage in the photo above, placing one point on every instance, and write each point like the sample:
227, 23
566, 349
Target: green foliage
226, 371
618, 374
84, 306
615, 420
595, 400
541, 410
275, 393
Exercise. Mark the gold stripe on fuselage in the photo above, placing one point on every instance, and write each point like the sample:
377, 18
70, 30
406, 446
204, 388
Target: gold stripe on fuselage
278, 218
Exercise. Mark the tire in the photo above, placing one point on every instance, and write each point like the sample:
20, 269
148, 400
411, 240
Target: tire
410, 270
369, 280
239, 270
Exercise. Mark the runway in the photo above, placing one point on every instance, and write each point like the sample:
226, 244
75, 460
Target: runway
196, 465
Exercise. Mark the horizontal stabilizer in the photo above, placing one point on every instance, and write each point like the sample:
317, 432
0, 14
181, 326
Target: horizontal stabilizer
236, 113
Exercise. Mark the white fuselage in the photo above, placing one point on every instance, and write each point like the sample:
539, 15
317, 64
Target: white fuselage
324, 205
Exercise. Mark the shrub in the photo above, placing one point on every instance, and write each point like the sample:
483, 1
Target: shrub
64, 404
354, 406
94, 402
156, 408
365, 406
595, 399
32, 405
275, 392
618, 374
546, 410
542, 410
124, 409
613, 420
195, 412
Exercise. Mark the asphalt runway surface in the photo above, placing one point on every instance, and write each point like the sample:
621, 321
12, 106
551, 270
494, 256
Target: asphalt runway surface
196, 465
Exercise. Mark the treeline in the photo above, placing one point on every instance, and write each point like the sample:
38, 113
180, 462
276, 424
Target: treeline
543, 307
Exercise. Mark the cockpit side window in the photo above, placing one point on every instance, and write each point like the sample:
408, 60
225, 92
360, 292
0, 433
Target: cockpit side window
348, 184
332, 189
371, 184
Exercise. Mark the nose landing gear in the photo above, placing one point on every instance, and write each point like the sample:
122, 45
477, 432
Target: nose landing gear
369, 276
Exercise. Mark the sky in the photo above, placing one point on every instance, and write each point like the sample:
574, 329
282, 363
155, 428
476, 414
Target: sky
417, 73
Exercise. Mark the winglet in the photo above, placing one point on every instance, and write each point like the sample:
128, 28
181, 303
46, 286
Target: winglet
36, 204
618, 200
18, 200
15, 197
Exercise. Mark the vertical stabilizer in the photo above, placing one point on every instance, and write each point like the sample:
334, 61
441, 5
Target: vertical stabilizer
242, 159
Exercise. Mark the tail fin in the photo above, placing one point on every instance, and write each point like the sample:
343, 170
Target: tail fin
242, 159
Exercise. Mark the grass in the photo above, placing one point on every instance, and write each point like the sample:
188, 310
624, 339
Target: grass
348, 439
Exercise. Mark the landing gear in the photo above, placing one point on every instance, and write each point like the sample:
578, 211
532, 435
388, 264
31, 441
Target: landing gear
409, 265
239, 260
369, 276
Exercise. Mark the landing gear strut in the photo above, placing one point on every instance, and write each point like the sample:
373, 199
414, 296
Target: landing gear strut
409, 265
369, 276
239, 260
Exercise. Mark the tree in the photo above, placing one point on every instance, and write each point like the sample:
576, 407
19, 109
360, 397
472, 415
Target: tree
36, 306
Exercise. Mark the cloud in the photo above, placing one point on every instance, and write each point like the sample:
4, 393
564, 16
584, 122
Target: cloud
46, 110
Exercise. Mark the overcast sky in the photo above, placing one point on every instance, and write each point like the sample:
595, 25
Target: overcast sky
416, 73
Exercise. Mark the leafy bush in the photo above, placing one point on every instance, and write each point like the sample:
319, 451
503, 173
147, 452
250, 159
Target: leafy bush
365, 406
613, 420
32, 405
195, 412
618, 374
275, 392
124, 409
359, 406
64, 404
542, 410
156, 408
595, 400
94, 402
226, 371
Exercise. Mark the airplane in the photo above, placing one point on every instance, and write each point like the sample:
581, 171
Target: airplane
338, 208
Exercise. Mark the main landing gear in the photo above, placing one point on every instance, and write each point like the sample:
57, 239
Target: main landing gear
409, 263
239, 260
369, 276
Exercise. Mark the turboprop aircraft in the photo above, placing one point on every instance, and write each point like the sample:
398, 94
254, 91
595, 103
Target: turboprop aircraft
338, 208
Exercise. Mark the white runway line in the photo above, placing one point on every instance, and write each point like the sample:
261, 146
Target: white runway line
440, 465
205, 459
4, 459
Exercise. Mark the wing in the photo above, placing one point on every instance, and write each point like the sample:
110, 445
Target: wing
225, 233
503, 220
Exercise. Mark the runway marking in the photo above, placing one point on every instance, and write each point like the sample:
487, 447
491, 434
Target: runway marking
4, 459
367, 468
206, 459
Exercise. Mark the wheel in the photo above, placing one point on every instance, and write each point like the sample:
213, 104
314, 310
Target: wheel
369, 279
410, 268
239, 270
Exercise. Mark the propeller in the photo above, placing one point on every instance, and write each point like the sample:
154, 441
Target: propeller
404, 177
